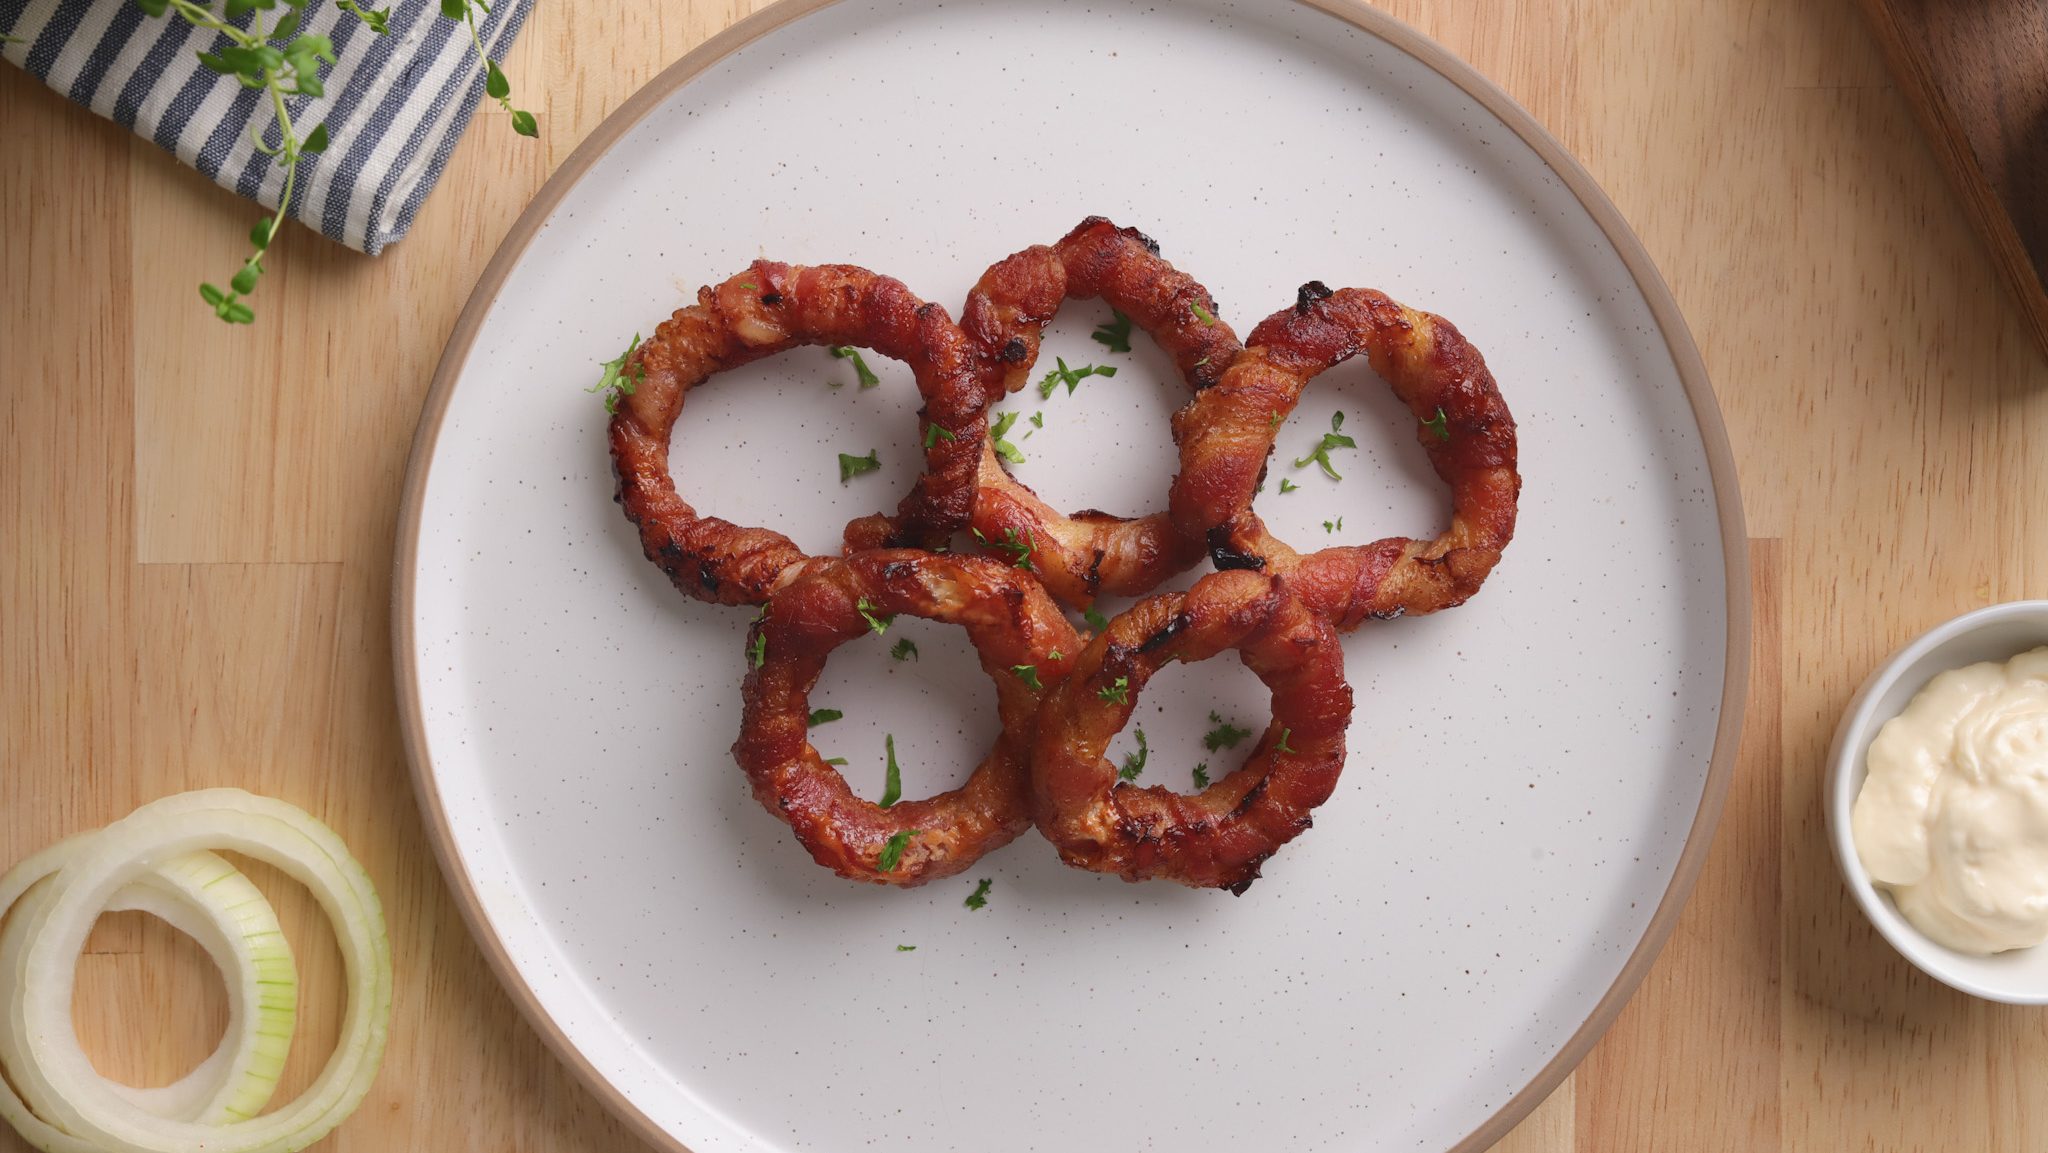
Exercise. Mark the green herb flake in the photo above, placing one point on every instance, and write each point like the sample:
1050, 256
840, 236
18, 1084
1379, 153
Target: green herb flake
1283, 746
1333, 526
892, 850
1440, 425
932, 435
852, 466
1287, 486
1202, 775
839, 761
861, 371
823, 717
1135, 762
1029, 675
1224, 736
879, 622
615, 384
1117, 692
757, 649
1202, 314
905, 650
1331, 440
1071, 377
1004, 449
1115, 335
906, 948
892, 784
1020, 548
978, 899
1096, 621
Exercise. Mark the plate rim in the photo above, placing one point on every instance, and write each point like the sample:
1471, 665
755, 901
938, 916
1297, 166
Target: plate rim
1664, 310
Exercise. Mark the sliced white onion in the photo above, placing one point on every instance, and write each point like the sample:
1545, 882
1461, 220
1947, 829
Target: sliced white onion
74, 1110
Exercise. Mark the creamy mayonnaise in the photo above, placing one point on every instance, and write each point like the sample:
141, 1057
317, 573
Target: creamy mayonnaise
1953, 817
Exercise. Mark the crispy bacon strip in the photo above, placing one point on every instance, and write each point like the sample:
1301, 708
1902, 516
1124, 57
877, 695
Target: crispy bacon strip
1089, 552
1462, 422
1217, 838
1011, 623
767, 309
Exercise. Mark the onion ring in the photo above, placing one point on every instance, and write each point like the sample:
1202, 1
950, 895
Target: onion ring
1462, 422
1011, 622
1089, 552
1219, 837
767, 309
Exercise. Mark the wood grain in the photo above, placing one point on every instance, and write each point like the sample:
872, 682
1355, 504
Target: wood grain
196, 530
1977, 75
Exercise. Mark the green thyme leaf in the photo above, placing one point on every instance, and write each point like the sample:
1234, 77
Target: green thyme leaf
1071, 377
979, 897
1117, 692
892, 784
853, 466
1135, 762
1440, 425
892, 851
861, 371
1224, 736
1116, 335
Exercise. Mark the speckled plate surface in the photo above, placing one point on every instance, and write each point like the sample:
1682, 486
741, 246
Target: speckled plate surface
1533, 777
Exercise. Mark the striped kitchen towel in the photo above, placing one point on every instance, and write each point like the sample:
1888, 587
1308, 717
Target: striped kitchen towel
394, 104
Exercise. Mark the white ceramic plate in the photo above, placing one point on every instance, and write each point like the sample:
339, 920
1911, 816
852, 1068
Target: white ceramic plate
1533, 777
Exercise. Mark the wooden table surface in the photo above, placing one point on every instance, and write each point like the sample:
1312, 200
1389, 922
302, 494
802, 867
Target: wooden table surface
196, 529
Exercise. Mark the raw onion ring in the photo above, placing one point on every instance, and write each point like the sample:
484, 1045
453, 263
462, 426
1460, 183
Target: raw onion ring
1219, 837
1011, 623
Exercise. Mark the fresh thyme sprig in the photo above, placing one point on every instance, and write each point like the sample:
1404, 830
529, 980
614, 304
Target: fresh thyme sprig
273, 56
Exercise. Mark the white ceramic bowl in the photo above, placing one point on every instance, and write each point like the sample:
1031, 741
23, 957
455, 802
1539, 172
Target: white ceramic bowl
1998, 633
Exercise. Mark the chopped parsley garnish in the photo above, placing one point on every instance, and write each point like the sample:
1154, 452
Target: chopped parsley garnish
866, 375
1053, 655
1202, 775
1440, 425
1118, 692
1028, 674
1019, 548
932, 433
1037, 422
824, 717
892, 850
892, 785
1287, 486
879, 623
1331, 439
1071, 377
905, 650
1273, 419
853, 466
979, 897
615, 383
1004, 448
1096, 621
1333, 526
1224, 736
757, 649
835, 760
751, 287
1283, 746
1202, 314
1135, 762
1116, 335
906, 948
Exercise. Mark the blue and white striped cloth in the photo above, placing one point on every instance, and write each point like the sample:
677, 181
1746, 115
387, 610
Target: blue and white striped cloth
394, 104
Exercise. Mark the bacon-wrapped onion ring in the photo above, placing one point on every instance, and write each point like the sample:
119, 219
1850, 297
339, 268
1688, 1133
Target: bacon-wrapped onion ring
767, 309
1219, 837
1011, 623
1090, 552
1462, 422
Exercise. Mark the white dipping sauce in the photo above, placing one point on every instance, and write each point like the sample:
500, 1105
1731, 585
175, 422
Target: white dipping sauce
1953, 817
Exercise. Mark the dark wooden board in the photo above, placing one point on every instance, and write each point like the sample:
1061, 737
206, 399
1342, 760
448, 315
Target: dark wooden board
1976, 72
